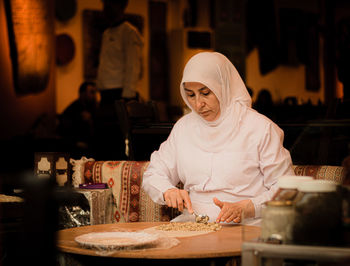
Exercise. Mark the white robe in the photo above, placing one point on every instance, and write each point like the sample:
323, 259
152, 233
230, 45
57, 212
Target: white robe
247, 169
238, 157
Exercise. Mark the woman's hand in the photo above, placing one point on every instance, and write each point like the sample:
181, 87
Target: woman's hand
233, 211
178, 198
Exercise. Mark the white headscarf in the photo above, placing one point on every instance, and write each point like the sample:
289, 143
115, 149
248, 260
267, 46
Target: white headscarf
216, 72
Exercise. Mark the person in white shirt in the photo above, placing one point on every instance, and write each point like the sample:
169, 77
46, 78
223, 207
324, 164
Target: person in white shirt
227, 155
120, 61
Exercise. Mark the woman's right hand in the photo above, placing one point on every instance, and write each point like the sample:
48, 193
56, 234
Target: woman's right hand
178, 198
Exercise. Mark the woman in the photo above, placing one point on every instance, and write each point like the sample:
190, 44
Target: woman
227, 155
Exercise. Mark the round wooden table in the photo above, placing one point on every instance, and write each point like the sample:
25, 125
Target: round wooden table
225, 243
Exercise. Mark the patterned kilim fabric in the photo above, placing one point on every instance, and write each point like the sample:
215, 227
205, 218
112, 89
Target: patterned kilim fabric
325, 172
131, 203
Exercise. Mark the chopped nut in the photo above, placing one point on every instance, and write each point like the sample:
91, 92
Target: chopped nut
189, 226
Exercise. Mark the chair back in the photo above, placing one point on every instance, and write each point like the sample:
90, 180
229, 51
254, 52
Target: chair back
133, 115
141, 112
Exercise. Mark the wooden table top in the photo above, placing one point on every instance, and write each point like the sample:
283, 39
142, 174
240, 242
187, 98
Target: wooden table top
226, 242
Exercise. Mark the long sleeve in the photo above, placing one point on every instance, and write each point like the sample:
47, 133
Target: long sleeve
161, 173
275, 161
133, 63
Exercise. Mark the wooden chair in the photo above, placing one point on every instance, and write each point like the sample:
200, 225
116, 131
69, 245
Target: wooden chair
141, 129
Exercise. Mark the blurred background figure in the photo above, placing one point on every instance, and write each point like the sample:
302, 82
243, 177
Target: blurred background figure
120, 61
265, 105
118, 76
77, 121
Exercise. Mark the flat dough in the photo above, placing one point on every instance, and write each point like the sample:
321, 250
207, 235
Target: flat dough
116, 239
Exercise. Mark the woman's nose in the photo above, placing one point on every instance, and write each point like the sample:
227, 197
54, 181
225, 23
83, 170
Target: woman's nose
199, 102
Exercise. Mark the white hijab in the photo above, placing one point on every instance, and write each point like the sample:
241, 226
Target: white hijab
215, 71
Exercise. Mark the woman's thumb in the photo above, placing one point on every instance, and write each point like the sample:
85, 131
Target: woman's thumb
218, 202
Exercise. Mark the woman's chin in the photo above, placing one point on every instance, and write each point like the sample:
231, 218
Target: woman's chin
208, 118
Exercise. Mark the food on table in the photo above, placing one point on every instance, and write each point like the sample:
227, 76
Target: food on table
189, 226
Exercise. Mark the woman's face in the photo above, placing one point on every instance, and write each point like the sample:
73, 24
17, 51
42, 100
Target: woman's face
202, 100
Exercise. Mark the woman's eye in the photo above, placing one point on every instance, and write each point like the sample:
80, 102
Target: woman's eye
190, 95
206, 93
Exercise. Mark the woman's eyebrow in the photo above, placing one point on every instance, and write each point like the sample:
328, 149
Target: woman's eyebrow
201, 89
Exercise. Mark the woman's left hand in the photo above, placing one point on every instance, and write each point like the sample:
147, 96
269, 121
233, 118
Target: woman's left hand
232, 211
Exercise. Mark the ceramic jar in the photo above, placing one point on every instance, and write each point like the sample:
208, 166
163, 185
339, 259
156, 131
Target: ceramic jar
317, 214
288, 187
277, 222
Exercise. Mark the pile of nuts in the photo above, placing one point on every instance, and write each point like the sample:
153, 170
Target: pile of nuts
189, 226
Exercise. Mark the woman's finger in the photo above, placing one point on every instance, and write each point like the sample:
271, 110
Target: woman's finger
219, 218
226, 213
218, 203
237, 219
168, 202
230, 218
174, 201
186, 200
168, 195
180, 204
